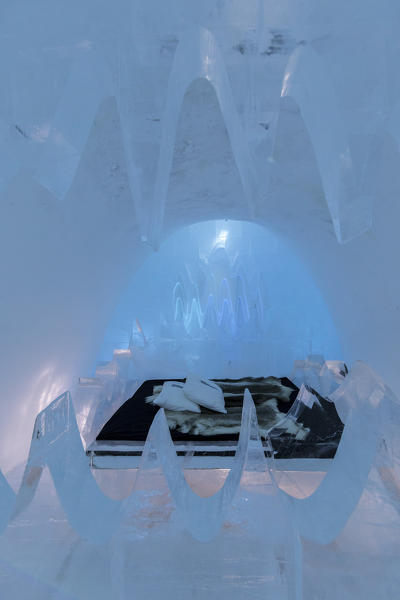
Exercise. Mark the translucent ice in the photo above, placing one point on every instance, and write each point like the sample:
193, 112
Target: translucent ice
361, 401
306, 78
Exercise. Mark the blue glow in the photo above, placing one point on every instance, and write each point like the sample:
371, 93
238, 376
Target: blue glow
230, 297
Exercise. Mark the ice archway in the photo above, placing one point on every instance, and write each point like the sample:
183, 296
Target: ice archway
66, 262
226, 298
124, 127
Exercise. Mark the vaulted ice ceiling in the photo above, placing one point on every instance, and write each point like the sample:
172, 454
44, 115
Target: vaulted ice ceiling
121, 123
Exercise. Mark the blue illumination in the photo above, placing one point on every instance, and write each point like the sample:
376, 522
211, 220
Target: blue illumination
222, 296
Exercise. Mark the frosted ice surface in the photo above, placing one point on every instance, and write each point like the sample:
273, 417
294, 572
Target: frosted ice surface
203, 517
321, 516
162, 502
198, 56
56, 443
308, 371
331, 376
221, 310
248, 516
248, 510
324, 376
89, 83
162, 498
306, 78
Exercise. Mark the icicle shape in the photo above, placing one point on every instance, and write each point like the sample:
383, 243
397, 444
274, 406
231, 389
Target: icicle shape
56, 443
240, 313
179, 311
322, 516
194, 319
241, 293
225, 295
226, 319
198, 56
89, 83
306, 77
178, 293
203, 517
210, 320
260, 308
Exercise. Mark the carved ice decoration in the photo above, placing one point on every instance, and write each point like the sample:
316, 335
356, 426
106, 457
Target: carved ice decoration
163, 501
306, 82
198, 57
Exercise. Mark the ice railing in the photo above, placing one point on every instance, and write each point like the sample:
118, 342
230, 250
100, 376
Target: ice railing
371, 414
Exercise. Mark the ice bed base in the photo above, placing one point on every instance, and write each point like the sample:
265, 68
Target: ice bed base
197, 455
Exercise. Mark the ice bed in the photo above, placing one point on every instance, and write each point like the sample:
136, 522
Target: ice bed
300, 424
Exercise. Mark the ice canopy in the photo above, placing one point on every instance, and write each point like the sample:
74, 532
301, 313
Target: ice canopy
123, 123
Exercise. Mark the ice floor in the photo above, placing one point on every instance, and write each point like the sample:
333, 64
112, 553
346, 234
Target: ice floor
43, 558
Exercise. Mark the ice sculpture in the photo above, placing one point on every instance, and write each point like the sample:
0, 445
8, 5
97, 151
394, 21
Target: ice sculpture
249, 490
221, 306
110, 163
56, 443
249, 498
305, 78
362, 401
322, 375
71, 124
197, 56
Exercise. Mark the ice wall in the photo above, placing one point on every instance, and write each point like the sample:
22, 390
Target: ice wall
70, 243
225, 298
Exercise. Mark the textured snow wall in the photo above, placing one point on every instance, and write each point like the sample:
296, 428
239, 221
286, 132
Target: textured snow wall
110, 140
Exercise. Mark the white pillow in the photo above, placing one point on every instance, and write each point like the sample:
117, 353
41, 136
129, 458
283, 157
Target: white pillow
204, 392
173, 398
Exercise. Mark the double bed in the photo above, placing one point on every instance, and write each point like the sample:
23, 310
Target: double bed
210, 437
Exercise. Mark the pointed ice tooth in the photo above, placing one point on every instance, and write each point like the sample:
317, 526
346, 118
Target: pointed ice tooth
179, 315
306, 78
195, 319
240, 313
210, 321
226, 319
89, 83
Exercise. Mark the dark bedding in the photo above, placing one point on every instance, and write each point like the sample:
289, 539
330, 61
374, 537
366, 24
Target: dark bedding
133, 419
315, 434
